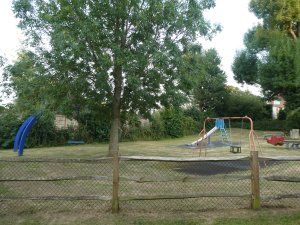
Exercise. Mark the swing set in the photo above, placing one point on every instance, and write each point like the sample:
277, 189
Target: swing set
225, 133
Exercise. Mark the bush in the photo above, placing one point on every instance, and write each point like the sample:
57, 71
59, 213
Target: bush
9, 125
157, 127
94, 127
282, 114
293, 119
131, 127
190, 126
44, 132
173, 122
241, 103
264, 125
198, 118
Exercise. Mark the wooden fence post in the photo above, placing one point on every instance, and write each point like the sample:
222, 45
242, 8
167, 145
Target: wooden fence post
115, 189
255, 195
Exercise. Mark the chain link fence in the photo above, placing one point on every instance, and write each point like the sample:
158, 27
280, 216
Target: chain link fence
54, 184
146, 184
280, 182
184, 186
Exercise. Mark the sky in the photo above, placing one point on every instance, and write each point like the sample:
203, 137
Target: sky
233, 15
236, 20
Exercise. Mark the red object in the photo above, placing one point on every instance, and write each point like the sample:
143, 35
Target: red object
276, 140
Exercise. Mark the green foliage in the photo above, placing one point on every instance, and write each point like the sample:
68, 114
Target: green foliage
202, 78
173, 122
272, 125
44, 132
123, 54
271, 58
282, 114
157, 126
293, 119
198, 116
245, 67
131, 128
241, 103
94, 126
26, 80
9, 124
190, 126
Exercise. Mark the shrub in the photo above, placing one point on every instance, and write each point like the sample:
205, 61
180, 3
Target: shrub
282, 114
9, 124
131, 127
293, 119
173, 122
157, 127
241, 103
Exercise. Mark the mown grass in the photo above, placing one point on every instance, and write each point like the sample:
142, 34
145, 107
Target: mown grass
237, 217
168, 147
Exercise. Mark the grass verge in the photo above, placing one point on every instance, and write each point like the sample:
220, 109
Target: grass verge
236, 217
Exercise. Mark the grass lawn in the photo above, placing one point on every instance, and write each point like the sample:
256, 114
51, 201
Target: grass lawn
234, 217
168, 147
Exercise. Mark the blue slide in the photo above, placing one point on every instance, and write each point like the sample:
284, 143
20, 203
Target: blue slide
22, 134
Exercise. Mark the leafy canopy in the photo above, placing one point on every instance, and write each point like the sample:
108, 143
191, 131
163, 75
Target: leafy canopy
271, 58
122, 54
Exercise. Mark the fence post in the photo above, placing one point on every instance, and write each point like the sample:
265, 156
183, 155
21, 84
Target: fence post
255, 195
115, 189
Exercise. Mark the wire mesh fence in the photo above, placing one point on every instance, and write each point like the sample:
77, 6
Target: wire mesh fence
185, 186
146, 184
280, 183
48, 184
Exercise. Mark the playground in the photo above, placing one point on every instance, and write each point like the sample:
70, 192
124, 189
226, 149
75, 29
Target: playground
217, 138
50, 175
168, 147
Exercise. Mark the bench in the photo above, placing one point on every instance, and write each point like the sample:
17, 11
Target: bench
291, 143
235, 148
75, 142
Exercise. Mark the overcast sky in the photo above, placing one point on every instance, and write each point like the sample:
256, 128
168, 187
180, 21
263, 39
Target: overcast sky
233, 15
236, 20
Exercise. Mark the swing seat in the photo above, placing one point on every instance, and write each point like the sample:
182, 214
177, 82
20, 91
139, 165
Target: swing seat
235, 148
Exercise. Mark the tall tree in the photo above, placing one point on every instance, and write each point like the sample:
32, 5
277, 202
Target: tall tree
24, 78
125, 54
272, 53
203, 78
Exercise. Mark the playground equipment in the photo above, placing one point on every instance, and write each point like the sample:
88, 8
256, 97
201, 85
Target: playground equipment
20, 138
276, 140
279, 139
219, 124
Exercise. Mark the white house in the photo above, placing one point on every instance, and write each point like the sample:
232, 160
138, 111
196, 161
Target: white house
277, 105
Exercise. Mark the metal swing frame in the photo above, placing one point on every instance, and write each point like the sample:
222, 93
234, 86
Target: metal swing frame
252, 134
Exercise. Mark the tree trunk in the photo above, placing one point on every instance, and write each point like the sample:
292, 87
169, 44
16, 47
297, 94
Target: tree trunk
118, 81
116, 108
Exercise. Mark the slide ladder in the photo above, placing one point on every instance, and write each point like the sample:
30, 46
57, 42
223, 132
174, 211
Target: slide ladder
224, 135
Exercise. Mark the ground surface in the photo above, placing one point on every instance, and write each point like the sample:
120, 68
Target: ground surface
225, 217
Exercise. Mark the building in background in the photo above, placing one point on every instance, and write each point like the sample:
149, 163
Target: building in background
277, 105
62, 122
